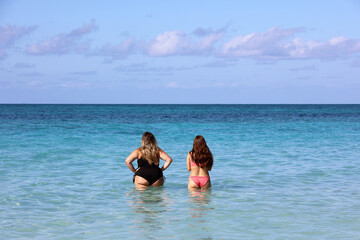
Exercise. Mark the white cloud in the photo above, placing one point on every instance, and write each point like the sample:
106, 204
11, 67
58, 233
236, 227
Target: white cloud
269, 46
85, 29
334, 48
9, 34
275, 44
168, 43
64, 43
118, 51
178, 43
265, 44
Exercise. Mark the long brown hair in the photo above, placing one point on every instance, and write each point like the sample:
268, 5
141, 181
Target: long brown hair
201, 154
149, 149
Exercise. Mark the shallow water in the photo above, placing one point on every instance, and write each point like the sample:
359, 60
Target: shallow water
280, 172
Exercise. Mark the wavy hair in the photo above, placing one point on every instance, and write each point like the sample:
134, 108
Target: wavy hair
149, 149
201, 153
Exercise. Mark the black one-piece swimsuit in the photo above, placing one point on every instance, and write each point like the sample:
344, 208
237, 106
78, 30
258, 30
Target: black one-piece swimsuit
151, 173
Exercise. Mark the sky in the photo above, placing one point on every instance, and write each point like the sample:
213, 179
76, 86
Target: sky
180, 52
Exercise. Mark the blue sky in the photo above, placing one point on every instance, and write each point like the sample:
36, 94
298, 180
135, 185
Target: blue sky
180, 51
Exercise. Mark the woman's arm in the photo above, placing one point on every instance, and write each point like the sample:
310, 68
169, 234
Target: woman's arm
188, 162
166, 158
131, 158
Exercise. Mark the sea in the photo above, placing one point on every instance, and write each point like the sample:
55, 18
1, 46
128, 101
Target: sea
280, 172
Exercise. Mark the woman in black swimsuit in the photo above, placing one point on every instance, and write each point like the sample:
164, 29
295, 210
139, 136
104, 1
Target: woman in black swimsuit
148, 157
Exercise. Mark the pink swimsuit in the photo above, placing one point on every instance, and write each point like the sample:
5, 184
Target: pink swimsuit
200, 181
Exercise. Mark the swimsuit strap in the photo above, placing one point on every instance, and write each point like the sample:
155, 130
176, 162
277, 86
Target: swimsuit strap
192, 163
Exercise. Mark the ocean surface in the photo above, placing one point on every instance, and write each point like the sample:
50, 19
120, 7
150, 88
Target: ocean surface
280, 172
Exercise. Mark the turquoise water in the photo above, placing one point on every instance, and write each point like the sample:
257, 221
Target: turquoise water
280, 172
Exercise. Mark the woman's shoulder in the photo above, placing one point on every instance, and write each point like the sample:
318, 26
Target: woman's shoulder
160, 150
138, 152
189, 155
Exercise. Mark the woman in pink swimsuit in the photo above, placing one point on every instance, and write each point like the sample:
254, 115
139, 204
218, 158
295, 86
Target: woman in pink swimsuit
199, 161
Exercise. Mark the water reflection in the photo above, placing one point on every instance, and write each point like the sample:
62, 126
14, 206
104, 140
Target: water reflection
199, 202
200, 221
149, 206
